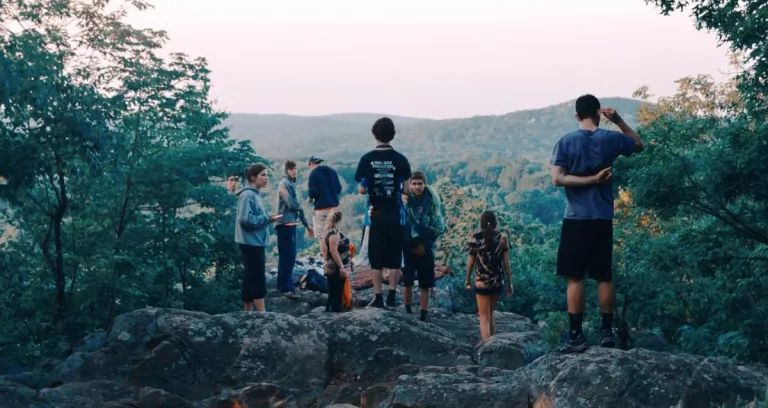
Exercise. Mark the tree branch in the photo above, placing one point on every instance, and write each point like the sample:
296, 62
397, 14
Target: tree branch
40, 206
735, 221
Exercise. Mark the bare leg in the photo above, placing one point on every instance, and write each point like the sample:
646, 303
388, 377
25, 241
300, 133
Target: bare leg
494, 301
606, 296
408, 295
376, 281
394, 278
424, 298
484, 310
323, 250
575, 296
247, 306
259, 305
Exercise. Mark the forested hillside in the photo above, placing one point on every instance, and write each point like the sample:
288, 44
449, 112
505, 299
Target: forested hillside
112, 176
529, 133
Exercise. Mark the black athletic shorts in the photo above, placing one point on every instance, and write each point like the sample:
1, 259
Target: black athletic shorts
586, 250
419, 267
254, 277
385, 246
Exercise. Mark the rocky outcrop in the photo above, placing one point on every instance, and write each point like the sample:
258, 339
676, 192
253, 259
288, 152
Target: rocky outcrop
639, 378
297, 355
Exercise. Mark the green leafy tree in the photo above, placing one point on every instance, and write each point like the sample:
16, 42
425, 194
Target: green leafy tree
742, 25
113, 172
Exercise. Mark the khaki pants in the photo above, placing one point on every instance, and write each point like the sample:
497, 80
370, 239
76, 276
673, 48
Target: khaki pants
319, 219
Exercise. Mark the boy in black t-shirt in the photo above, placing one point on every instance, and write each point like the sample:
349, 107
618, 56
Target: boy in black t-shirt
386, 172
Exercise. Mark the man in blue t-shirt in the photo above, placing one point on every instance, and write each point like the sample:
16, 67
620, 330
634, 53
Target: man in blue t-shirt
382, 173
581, 162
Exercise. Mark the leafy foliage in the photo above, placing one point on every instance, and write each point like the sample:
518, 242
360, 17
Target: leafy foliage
742, 25
112, 159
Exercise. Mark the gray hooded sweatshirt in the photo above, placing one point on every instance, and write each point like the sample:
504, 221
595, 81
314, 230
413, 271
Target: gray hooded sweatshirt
252, 227
288, 204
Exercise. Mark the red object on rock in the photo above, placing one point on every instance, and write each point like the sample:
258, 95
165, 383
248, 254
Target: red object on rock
362, 277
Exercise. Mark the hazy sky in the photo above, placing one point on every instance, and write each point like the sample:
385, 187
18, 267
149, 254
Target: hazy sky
431, 58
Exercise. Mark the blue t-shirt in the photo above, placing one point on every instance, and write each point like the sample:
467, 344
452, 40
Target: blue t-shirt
585, 153
384, 171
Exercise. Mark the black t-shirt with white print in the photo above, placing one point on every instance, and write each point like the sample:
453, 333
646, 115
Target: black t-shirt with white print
384, 171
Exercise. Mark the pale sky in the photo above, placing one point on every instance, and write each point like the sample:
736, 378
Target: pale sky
431, 58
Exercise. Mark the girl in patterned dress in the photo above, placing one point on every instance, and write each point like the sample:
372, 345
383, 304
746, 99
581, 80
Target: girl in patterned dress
489, 251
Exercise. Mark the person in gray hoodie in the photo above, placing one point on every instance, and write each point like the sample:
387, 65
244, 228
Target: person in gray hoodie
289, 207
252, 235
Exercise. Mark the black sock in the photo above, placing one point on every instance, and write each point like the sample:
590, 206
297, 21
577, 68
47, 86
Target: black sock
423, 315
408, 309
575, 323
607, 321
379, 297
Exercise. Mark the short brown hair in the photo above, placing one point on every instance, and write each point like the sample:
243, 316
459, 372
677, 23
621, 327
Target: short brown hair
254, 170
289, 165
419, 175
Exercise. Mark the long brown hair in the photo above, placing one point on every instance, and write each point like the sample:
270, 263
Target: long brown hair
488, 226
333, 219
254, 170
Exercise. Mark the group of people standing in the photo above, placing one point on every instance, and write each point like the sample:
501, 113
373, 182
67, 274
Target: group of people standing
406, 218
405, 214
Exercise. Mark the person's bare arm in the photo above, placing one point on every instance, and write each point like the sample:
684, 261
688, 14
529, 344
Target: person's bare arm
614, 117
333, 243
470, 267
508, 270
561, 179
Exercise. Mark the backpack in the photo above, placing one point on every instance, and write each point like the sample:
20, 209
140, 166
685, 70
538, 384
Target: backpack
345, 247
313, 280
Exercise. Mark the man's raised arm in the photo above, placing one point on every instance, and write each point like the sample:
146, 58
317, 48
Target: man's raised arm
614, 117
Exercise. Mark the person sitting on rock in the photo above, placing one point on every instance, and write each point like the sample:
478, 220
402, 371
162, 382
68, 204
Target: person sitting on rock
252, 235
489, 250
425, 223
336, 262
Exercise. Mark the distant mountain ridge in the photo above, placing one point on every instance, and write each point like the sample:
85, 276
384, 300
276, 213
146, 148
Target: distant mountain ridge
345, 136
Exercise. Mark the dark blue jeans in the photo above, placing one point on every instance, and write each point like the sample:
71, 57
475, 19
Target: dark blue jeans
286, 251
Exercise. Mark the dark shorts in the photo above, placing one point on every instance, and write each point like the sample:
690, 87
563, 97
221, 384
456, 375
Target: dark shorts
254, 278
492, 290
421, 268
586, 250
385, 246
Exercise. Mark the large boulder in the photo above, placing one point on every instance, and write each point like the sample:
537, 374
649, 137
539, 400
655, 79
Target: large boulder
509, 351
466, 327
94, 394
195, 355
459, 387
15, 395
299, 305
638, 378
355, 336
368, 358
262, 395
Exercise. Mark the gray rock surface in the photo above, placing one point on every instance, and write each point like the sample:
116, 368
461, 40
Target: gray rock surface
298, 356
